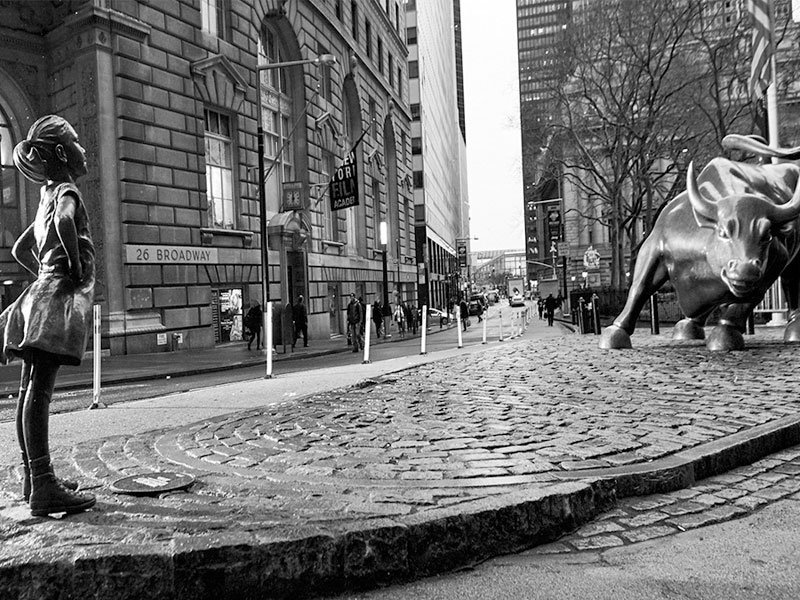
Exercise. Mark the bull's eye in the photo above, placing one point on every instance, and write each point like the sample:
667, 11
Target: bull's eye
766, 238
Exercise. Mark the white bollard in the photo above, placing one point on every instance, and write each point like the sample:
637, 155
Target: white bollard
424, 328
485, 318
268, 340
458, 322
367, 329
500, 322
97, 313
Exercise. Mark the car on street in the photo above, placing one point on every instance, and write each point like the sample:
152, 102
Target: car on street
476, 301
493, 296
444, 317
516, 300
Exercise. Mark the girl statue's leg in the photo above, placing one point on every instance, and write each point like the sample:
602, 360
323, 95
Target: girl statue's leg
47, 493
24, 382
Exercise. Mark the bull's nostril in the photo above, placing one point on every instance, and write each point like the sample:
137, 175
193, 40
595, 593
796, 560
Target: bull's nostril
756, 262
731, 265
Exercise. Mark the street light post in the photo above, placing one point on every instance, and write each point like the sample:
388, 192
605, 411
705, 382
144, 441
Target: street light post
322, 59
384, 240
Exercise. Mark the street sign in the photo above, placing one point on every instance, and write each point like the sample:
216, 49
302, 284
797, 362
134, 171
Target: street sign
563, 248
146, 484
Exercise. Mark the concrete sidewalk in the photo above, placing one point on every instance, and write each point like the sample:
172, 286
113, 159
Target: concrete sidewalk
407, 468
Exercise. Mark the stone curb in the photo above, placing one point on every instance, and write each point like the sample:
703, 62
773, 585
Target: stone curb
290, 564
684, 468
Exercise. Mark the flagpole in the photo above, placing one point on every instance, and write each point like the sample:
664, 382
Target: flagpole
779, 303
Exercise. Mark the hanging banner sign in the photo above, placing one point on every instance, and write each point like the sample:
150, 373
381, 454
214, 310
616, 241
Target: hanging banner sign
461, 250
344, 184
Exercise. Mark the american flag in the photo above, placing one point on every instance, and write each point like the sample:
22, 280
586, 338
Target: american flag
761, 10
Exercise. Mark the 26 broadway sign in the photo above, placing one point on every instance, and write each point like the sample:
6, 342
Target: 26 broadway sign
135, 253
344, 184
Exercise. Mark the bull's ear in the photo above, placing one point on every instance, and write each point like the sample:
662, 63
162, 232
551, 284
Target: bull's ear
705, 212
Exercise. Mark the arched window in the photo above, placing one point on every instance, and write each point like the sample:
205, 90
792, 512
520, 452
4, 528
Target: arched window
9, 186
276, 118
353, 128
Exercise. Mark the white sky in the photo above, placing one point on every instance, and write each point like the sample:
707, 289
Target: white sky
491, 90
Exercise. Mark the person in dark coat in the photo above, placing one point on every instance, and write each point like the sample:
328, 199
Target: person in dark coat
252, 321
355, 317
550, 304
463, 308
377, 317
300, 315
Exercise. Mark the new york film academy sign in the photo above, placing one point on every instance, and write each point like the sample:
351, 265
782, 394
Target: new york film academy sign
344, 184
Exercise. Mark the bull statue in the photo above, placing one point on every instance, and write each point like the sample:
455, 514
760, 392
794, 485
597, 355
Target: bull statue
722, 243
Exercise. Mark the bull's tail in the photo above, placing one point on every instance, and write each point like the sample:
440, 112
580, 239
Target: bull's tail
758, 146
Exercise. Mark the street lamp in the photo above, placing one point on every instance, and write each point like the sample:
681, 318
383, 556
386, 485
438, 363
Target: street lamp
384, 240
322, 59
466, 260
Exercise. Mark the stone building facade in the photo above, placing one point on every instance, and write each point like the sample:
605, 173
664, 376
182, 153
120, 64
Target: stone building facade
169, 100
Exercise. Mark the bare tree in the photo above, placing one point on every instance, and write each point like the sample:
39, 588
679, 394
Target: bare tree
644, 86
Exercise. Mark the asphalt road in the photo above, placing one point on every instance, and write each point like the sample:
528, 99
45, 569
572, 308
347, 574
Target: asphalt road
71, 400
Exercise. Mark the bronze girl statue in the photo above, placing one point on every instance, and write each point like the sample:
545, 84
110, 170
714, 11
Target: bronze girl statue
48, 325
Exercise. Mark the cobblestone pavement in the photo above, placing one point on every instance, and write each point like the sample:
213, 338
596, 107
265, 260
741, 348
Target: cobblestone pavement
449, 436
734, 494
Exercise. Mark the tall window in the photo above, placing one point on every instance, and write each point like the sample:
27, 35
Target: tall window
390, 67
219, 169
214, 17
354, 21
276, 118
9, 203
380, 55
324, 75
368, 36
329, 221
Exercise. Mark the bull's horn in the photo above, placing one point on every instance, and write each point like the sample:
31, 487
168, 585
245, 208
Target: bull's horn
702, 207
755, 145
784, 213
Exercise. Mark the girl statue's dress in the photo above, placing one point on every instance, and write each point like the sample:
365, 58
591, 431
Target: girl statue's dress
54, 314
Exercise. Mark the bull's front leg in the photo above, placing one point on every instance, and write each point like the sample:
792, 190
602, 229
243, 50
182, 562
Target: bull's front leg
649, 275
790, 280
727, 335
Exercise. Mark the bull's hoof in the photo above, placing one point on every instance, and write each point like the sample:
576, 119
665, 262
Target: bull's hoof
615, 338
792, 331
686, 329
725, 338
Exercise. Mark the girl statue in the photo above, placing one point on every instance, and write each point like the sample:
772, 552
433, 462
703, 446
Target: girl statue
48, 325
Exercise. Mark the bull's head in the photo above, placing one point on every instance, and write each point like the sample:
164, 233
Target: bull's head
745, 224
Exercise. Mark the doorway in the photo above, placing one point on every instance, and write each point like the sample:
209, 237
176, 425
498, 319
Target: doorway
334, 313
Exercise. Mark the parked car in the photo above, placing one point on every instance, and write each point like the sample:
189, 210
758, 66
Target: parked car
475, 302
493, 296
444, 317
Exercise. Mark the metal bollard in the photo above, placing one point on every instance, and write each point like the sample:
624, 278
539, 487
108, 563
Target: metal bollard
424, 336
581, 315
654, 329
596, 313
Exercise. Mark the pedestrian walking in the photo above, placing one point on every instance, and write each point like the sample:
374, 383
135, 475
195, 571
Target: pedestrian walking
400, 318
49, 324
550, 308
414, 319
355, 316
408, 317
463, 308
300, 314
252, 322
377, 317
540, 307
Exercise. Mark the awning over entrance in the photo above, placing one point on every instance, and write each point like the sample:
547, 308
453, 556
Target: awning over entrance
292, 228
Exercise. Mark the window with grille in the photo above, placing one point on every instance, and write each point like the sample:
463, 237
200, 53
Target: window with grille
9, 203
219, 170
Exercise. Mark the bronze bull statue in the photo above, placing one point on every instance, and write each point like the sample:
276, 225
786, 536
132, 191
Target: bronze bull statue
722, 243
